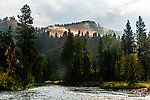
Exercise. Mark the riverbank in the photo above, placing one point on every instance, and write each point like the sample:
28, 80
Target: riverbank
117, 85
124, 85
105, 85
140, 89
137, 89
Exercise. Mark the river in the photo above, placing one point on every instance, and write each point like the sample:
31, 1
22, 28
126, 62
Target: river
56, 92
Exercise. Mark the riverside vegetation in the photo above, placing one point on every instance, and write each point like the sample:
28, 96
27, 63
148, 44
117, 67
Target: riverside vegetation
104, 60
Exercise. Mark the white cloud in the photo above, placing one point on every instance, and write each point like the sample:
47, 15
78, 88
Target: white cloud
107, 12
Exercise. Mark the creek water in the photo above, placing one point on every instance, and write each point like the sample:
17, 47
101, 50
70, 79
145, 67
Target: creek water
57, 92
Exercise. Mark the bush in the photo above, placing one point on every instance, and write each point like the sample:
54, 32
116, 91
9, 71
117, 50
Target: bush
9, 83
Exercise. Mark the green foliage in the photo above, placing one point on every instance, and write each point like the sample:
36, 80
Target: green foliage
9, 83
87, 65
76, 59
131, 69
142, 46
67, 50
108, 51
9, 64
29, 80
122, 85
66, 55
38, 69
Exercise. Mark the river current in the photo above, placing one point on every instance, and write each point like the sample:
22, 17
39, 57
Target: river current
56, 92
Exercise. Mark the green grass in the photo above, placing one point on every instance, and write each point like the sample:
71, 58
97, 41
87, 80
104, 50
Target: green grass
107, 85
124, 85
145, 84
114, 85
53, 82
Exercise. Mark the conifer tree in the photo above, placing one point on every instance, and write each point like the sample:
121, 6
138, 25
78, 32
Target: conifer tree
141, 36
141, 44
26, 43
128, 43
66, 56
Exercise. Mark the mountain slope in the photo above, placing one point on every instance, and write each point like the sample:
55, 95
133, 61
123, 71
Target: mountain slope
5, 24
83, 27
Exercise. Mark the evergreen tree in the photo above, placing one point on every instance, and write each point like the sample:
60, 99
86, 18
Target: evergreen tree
86, 64
79, 45
108, 51
66, 56
141, 36
141, 44
128, 43
87, 34
56, 35
79, 33
147, 55
26, 43
100, 57
76, 59
65, 34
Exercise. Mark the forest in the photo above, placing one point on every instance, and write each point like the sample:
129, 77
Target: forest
28, 57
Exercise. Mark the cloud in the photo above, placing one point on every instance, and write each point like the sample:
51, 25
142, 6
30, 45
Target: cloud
109, 13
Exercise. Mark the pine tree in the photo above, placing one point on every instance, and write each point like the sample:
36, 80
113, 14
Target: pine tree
56, 35
66, 56
26, 42
76, 59
79, 45
141, 44
147, 56
128, 43
141, 36
86, 64
100, 57
108, 51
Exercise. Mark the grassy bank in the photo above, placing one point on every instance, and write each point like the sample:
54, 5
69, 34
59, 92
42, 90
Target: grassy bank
105, 85
124, 85
115, 85
53, 82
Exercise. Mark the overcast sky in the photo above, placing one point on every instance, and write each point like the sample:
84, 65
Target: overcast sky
111, 14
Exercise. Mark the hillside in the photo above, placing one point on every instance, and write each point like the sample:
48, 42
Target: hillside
5, 24
83, 27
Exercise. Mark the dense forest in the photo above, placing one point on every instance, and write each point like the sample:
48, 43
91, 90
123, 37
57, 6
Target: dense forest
28, 57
